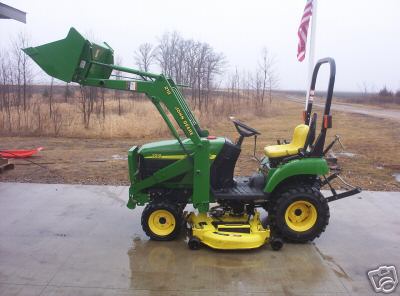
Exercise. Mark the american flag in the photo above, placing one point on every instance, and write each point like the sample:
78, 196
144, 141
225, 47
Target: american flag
303, 30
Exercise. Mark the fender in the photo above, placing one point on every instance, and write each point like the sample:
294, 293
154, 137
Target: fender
304, 166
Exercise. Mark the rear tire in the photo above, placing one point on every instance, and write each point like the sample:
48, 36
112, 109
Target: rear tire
161, 220
299, 214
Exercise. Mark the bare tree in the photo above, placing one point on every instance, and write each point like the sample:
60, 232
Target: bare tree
38, 115
56, 120
51, 97
166, 52
213, 66
67, 92
269, 76
191, 63
257, 87
273, 82
144, 56
103, 105
87, 99
22, 65
163, 54
117, 93
6, 88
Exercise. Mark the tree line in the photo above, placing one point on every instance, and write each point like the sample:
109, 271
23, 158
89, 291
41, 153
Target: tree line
201, 70
200, 67
191, 63
15, 78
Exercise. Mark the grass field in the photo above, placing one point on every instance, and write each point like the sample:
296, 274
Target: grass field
98, 155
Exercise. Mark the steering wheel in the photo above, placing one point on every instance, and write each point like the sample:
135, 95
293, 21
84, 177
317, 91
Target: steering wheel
244, 130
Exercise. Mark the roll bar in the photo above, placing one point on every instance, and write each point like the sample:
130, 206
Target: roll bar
331, 84
327, 118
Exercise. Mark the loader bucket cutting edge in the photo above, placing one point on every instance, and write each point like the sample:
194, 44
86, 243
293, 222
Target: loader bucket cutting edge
70, 59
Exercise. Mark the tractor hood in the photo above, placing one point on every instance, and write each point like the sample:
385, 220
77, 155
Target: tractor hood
171, 149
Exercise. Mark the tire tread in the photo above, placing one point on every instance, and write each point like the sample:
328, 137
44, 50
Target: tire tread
158, 205
291, 193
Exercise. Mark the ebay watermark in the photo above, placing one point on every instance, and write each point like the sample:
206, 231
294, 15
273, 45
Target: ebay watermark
384, 279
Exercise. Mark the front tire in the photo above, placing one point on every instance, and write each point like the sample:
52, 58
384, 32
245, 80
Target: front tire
161, 220
300, 214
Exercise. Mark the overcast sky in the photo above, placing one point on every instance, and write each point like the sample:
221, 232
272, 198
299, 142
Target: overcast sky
362, 35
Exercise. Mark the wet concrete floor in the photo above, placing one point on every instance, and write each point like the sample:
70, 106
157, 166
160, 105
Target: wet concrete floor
82, 240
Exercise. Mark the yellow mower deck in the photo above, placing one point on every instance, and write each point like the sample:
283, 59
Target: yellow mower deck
229, 232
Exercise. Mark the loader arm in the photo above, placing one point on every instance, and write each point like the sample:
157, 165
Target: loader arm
78, 60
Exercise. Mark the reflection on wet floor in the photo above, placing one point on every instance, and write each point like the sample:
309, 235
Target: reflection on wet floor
82, 240
171, 265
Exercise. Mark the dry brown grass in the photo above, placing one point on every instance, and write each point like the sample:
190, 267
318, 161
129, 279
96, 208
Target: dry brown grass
139, 118
36, 121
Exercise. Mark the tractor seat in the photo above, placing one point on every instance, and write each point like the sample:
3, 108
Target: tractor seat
299, 139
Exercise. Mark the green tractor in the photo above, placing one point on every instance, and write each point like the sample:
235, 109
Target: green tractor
198, 169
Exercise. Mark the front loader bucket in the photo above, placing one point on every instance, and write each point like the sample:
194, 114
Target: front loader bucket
73, 58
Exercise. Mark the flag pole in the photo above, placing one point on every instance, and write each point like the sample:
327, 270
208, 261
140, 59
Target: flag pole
311, 51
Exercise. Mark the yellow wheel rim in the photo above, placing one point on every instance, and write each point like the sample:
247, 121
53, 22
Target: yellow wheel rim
301, 216
161, 222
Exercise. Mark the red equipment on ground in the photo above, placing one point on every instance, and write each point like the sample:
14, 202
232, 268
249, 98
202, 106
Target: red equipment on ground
19, 153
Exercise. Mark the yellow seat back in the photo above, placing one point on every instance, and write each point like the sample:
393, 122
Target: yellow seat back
300, 135
298, 141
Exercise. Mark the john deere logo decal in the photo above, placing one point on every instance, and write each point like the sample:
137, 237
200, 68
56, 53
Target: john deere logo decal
184, 121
